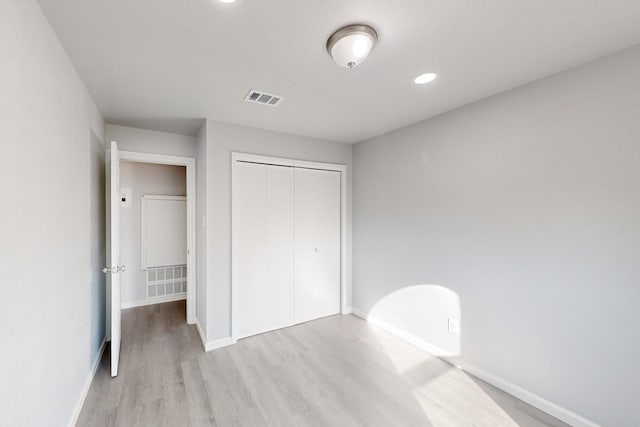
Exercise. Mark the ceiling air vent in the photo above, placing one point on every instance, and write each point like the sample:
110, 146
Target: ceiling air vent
263, 98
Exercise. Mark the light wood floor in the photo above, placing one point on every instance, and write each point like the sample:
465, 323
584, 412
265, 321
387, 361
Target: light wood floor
337, 371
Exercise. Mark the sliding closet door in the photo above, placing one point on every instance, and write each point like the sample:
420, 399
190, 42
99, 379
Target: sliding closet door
317, 244
264, 247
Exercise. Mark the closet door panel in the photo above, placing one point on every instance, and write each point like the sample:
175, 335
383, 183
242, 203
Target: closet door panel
251, 245
280, 248
317, 244
264, 239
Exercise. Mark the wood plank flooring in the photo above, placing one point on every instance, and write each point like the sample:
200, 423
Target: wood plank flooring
336, 371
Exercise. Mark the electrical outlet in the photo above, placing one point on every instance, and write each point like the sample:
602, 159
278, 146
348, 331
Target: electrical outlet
454, 326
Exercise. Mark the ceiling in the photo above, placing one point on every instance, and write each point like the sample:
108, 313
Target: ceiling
164, 64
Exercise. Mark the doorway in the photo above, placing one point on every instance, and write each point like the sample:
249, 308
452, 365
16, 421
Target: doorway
155, 274
153, 233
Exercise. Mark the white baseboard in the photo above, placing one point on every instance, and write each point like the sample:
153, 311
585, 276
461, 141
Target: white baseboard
222, 342
87, 385
203, 339
531, 398
161, 300
357, 312
411, 339
347, 310
212, 345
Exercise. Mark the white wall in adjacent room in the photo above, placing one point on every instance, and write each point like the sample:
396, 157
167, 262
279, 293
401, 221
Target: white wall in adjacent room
526, 207
143, 179
51, 224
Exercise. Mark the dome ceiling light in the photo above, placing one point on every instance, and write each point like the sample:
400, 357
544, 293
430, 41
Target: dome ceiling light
350, 46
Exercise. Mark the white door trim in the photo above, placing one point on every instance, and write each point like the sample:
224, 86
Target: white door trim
345, 283
190, 164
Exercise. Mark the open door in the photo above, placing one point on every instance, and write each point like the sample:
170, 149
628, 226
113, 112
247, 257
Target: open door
113, 268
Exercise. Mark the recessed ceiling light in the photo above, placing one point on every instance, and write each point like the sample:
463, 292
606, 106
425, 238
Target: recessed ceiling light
227, 1
425, 78
350, 46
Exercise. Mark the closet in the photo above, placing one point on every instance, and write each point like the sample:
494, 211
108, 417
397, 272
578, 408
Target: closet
286, 245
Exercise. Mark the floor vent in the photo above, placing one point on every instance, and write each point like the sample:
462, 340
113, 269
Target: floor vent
263, 98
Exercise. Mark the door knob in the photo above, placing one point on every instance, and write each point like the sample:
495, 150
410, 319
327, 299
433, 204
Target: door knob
114, 269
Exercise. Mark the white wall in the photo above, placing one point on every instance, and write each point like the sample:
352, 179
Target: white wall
526, 205
51, 223
148, 141
142, 178
222, 140
201, 230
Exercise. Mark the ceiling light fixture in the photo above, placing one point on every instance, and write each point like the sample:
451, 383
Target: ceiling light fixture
425, 78
350, 46
227, 1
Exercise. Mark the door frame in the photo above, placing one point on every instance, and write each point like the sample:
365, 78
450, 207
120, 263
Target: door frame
190, 164
345, 283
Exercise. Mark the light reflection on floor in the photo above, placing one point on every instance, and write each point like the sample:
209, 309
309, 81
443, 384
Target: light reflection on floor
451, 397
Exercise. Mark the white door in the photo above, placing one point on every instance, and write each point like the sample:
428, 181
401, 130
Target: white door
263, 247
113, 268
317, 244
